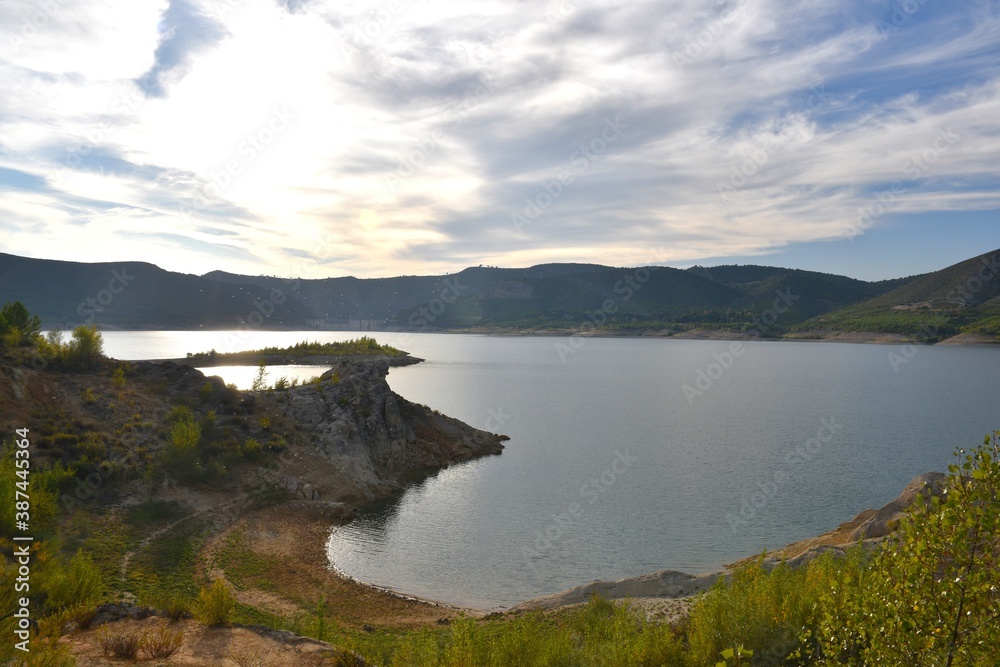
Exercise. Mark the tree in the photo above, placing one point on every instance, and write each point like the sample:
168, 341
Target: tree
260, 380
933, 597
18, 327
85, 348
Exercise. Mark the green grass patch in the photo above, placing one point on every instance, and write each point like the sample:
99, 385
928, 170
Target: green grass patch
244, 567
164, 569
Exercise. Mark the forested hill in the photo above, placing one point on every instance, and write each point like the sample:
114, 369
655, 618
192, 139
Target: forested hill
551, 297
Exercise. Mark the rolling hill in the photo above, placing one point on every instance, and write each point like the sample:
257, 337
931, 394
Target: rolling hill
550, 297
962, 298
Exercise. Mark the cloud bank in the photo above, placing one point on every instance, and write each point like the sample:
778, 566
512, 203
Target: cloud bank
315, 138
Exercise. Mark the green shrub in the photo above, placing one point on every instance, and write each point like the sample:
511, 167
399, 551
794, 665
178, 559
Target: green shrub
251, 449
209, 424
80, 584
765, 612
215, 604
206, 393
181, 456
48, 652
180, 413
932, 595
418, 649
85, 348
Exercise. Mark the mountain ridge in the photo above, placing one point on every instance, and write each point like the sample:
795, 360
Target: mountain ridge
557, 297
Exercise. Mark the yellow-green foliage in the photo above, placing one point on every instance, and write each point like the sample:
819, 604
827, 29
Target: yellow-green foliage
763, 611
85, 348
215, 604
932, 596
600, 633
181, 455
80, 584
46, 652
45, 486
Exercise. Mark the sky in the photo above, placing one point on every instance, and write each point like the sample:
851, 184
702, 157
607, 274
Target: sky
311, 138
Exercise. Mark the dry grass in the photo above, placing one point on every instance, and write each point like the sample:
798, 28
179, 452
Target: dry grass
249, 656
161, 641
128, 639
120, 640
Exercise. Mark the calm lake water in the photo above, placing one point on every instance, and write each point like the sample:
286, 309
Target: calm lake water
613, 471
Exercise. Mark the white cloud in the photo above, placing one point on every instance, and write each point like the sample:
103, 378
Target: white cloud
386, 138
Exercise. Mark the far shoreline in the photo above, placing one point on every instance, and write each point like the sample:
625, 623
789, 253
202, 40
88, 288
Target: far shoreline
845, 337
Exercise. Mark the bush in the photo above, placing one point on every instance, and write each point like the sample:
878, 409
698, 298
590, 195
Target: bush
215, 604
177, 609
84, 615
79, 584
932, 596
161, 642
763, 611
48, 652
180, 413
85, 348
120, 640
206, 393
181, 456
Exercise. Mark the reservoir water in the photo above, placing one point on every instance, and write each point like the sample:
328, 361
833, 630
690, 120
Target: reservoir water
629, 456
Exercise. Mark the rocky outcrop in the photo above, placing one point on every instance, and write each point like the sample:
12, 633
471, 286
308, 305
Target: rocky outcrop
663, 584
371, 435
872, 524
176, 379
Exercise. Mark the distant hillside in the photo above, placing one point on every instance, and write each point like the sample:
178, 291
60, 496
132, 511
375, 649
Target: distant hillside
963, 298
818, 292
554, 297
136, 295
565, 296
